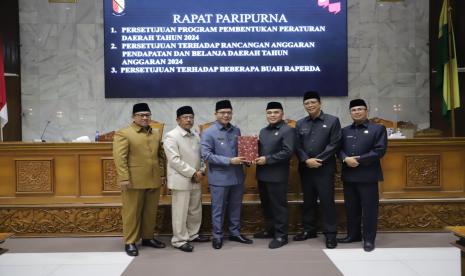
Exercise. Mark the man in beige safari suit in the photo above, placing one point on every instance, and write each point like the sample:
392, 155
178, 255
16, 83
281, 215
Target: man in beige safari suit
185, 171
140, 161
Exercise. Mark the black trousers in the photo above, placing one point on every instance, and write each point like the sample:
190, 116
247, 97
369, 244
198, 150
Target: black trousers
273, 197
318, 184
361, 201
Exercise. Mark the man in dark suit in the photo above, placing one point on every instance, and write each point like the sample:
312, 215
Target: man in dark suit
318, 140
363, 145
277, 143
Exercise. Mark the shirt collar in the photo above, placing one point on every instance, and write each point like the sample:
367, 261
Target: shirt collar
320, 117
362, 125
221, 127
277, 125
138, 128
184, 132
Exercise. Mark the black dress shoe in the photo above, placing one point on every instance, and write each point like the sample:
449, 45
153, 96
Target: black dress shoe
241, 239
349, 239
186, 247
304, 235
217, 243
265, 234
277, 243
331, 242
201, 238
131, 250
368, 246
153, 243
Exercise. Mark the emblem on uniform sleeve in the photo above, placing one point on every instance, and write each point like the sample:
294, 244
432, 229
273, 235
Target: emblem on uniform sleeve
118, 7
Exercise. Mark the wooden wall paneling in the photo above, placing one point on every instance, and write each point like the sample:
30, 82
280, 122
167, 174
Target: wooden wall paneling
436, 119
9, 31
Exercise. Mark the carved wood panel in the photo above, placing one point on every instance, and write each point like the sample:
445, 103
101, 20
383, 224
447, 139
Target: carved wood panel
110, 184
46, 221
423, 172
34, 176
106, 220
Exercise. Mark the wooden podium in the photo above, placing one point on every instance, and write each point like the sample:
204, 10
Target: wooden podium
70, 189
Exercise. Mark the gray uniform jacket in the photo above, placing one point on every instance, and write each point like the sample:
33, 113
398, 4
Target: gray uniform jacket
218, 146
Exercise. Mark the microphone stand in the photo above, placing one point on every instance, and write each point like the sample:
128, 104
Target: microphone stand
43, 132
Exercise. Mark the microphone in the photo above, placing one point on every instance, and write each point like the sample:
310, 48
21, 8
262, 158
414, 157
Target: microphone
43, 132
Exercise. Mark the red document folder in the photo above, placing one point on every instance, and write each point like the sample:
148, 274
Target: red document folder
248, 147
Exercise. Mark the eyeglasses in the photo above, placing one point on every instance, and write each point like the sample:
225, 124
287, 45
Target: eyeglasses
358, 109
222, 113
143, 115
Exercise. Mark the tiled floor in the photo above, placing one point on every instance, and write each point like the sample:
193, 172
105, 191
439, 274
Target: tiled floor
397, 261
66, 264
397, 254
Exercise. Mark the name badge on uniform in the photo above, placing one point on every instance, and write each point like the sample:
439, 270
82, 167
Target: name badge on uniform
276, 133
350, 136
366, 132
324, 125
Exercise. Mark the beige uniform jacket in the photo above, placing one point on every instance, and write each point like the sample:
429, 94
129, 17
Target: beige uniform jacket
139, 156
183, 156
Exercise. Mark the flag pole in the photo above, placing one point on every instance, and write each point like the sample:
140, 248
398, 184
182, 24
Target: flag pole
451, 81
1, 131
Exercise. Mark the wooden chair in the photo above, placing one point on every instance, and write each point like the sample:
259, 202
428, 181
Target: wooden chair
385, 123
203, 127
204, 182
108, 137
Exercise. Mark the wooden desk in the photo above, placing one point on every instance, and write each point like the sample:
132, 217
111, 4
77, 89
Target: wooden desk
459, 231
70, 189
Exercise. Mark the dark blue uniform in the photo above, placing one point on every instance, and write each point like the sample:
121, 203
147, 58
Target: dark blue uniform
361, 199
277, 144
318, 138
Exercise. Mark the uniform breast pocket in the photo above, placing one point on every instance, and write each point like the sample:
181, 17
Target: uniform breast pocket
323, 131
304, 131
221, 143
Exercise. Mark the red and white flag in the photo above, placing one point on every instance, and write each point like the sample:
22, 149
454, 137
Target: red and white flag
3, 109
